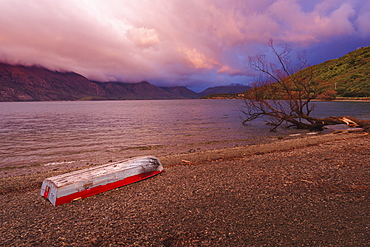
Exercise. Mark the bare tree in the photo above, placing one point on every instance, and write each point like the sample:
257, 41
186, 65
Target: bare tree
281, 96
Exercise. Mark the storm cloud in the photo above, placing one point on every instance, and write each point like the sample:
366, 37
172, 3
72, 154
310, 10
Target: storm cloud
194, 43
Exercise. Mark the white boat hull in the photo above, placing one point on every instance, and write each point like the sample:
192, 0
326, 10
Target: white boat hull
80, 184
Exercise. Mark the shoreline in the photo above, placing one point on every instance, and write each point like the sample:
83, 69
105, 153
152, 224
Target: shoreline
187, 153
257, 149
193, 157
312, 191
82, 160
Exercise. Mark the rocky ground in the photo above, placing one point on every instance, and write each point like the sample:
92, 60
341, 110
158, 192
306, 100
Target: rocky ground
311, 191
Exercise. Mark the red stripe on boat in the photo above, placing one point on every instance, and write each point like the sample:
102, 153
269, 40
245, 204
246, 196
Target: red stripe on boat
102, 188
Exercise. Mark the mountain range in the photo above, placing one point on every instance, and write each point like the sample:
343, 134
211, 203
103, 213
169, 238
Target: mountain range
22, 83
347, 76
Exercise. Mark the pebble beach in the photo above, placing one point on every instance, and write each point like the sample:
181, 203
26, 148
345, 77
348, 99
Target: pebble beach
308, 191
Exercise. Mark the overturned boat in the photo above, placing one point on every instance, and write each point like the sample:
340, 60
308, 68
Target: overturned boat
94, 180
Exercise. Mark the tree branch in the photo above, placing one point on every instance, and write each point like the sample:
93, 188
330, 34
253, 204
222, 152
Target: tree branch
283, 97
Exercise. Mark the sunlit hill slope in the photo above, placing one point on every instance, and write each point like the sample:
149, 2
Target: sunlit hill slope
347, 76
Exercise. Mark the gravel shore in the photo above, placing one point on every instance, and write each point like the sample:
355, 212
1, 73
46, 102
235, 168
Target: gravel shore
311, 191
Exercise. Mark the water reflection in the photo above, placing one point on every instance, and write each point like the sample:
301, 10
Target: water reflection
42, 132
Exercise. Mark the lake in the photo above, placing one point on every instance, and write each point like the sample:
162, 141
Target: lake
62, 132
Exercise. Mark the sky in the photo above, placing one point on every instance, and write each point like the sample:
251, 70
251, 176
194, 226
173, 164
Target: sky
192, 43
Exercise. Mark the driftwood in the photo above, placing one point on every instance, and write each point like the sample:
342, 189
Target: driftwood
318, 123
356, 123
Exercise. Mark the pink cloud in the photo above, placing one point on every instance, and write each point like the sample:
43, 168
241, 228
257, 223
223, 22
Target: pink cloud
327, 20
166, 40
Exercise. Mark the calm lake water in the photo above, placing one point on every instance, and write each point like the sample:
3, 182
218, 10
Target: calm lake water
52, 133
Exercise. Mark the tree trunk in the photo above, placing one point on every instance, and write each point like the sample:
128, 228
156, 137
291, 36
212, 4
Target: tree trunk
318, 123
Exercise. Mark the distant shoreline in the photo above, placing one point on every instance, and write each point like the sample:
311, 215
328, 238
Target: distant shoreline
346, 99
338, 99
365, 99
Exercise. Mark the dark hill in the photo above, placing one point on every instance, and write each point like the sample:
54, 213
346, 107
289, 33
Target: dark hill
141, 90
233, 88
21, 83
148, 91
117, 91
181, 92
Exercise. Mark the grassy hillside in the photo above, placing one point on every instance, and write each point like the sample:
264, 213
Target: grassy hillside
347, 76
